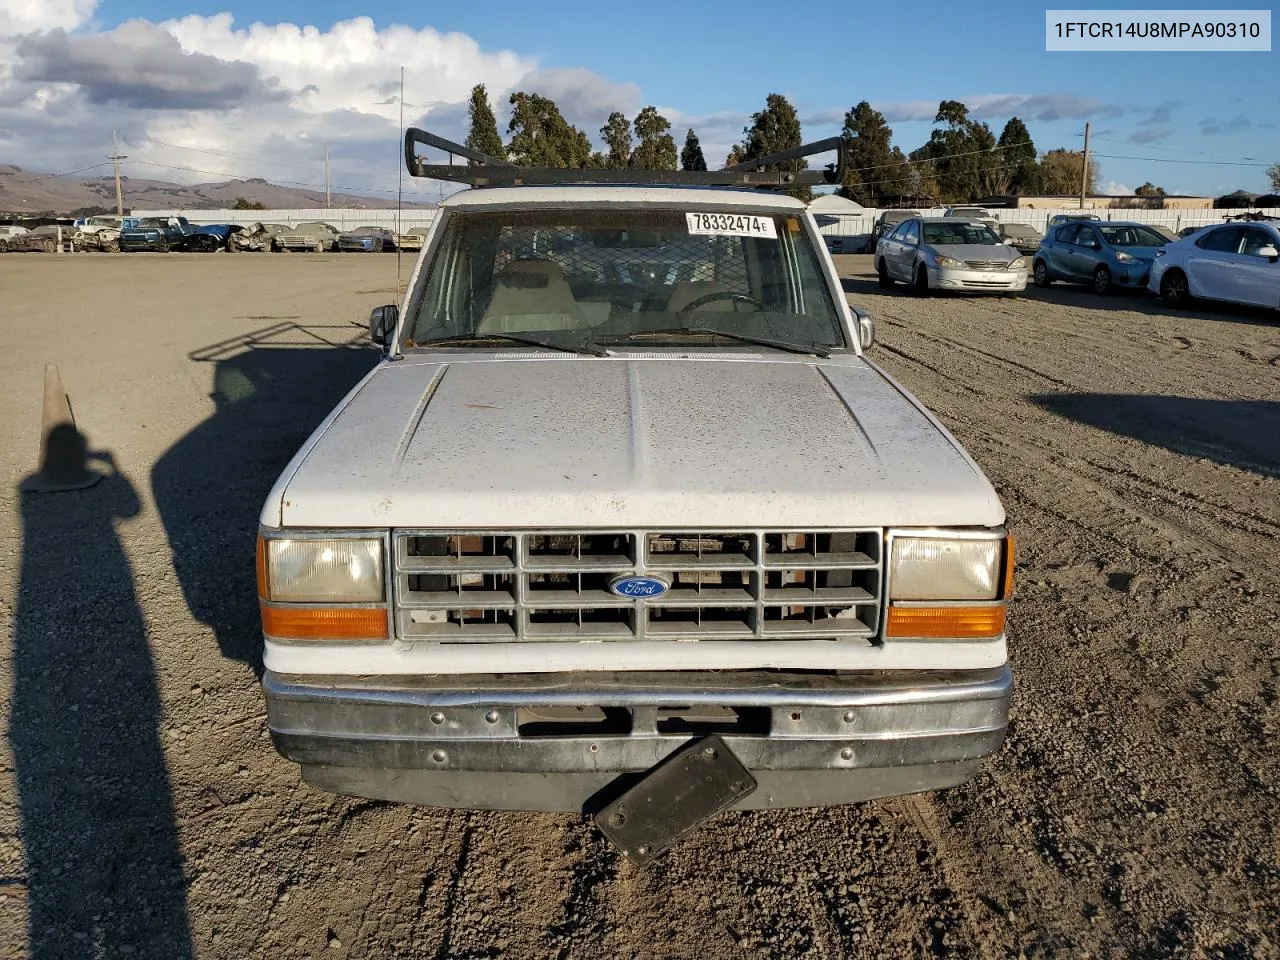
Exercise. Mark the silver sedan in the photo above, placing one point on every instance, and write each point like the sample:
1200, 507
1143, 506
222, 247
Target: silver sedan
949, 253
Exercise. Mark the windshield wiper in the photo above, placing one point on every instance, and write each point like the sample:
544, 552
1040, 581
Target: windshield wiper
586, 348
804, 348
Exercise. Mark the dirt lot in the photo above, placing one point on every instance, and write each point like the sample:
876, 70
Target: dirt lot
1132, 813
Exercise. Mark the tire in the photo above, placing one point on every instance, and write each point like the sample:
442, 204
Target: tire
922, 281
50, 246
319, 248
162, 246
1174, 289
1040, 274
882, 275
1102, 281
113, 246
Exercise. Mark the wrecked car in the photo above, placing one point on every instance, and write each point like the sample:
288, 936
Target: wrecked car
411, 241
211, 237
367, 240
256, 238
315, 236
159, 234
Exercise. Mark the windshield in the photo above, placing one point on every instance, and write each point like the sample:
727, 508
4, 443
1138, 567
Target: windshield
1018, 230
583, 277
153, 222
1132, 236
954, 234
364, 231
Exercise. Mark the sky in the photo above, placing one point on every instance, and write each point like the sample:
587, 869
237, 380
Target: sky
214, 89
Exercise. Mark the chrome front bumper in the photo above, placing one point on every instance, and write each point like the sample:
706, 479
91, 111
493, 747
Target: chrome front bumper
564, 741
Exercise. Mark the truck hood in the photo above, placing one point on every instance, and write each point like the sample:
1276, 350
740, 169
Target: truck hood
631, 443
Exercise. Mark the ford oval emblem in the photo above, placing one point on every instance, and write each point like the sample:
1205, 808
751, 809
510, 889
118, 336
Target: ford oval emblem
638, 586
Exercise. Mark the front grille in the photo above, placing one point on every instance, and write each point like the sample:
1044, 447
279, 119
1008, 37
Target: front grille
986, 264
486, 586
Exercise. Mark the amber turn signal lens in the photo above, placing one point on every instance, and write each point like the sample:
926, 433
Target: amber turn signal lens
951, 623
324, 623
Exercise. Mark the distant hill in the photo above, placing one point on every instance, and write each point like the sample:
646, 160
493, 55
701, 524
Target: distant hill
26, 192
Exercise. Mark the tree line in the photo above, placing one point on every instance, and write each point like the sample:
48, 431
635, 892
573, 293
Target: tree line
962, 161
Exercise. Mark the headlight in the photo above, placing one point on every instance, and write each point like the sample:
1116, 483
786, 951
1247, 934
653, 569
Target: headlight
1019, 264
948, 588
948, 261
1122, 257
936, 568
323, 571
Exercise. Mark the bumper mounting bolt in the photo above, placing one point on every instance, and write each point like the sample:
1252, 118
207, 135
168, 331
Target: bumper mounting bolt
846, 753
437, 718
439, 756
848, 716
491, 716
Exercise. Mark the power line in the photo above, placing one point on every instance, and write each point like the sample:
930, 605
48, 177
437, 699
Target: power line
1191, 153
290, 183
214, 153
946, 156
69, 173
1207, 163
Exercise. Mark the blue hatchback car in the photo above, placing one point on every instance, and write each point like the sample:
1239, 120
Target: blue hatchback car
1105, 254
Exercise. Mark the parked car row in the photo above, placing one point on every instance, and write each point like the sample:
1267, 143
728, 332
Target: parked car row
1236, 261
164, 234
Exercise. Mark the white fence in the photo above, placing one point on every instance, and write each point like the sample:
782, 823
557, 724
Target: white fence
832, 225
860, 224
340, 217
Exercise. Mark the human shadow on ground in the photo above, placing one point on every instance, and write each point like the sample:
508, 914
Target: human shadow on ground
104, 871
271, 389
1240, 433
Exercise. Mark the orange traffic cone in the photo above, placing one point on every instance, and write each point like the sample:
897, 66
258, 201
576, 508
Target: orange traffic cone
63, 449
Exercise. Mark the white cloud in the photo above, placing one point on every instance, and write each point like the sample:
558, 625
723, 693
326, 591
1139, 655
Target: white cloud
1114, 189
18, 17
224, 100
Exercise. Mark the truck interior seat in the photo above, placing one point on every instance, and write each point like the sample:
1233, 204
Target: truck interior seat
531, 295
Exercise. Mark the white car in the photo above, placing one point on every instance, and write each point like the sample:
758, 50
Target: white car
949, 253
98, 223
626, 489
1235, 262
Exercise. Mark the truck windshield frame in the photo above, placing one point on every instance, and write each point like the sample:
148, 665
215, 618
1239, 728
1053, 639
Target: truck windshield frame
578, 275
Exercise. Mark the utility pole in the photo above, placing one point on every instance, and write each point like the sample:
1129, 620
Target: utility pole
115, 158
328, 200
1084, 173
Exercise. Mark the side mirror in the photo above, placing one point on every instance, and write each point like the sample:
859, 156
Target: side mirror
382, 324
866, 329
1270, 252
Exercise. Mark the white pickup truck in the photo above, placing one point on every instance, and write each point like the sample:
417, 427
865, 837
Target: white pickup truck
626, 495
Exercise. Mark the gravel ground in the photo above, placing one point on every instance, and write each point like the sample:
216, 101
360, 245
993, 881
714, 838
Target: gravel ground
1132, 812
